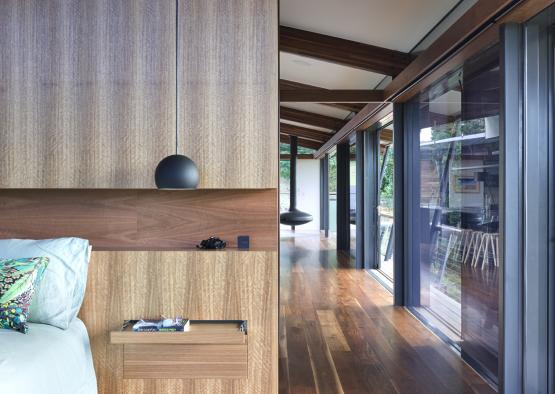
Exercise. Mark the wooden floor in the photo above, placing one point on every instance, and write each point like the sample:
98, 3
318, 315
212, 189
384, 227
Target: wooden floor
339, 332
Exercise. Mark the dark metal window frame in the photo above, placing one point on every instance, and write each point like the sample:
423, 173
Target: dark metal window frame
511, 209
369, 174
343, 194
539, 199
361, 195
406, 261
370, 140
324, 195
527, 291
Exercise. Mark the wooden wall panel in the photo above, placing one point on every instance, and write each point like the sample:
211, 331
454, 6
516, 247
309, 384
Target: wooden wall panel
142, 219
87, 92
198, 285
229, 91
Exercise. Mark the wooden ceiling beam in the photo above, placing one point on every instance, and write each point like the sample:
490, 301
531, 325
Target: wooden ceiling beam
386, 136
284, 84
303, 132
469, 35
309, 118
302, 156
284, 138
338, 50
364, 119
331, 96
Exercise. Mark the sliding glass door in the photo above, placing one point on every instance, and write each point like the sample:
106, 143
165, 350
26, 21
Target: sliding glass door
457, 152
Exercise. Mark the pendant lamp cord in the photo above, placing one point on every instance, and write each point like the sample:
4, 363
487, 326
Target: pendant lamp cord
176, 71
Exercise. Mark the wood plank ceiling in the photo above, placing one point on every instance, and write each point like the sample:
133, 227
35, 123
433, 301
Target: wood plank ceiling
333, 58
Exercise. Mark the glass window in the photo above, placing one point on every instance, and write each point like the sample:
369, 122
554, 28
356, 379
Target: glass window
284, 150
459, 208
353, 197
332, 195
385, 202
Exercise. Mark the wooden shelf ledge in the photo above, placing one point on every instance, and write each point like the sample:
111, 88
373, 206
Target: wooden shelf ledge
199, 333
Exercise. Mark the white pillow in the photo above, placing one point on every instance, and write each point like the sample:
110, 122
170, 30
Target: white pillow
59, 295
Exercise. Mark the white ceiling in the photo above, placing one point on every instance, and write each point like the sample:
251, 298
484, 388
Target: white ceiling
393, 24
324, 74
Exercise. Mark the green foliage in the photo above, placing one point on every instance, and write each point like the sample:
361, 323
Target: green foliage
386, 189
332, 173
284, 171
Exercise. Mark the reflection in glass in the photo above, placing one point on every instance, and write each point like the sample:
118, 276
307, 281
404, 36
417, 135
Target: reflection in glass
459, 211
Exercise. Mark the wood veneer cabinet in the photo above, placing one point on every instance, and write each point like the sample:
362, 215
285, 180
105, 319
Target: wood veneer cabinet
229, 94
87, 92
200, 285
209, 350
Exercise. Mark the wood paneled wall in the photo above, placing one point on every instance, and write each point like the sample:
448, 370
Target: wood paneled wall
142, 219
87, 102
87, 92
229, 95
87, 97
198, 285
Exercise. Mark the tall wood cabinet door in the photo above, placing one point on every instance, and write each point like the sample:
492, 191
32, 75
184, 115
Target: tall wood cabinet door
87, 92
228, 98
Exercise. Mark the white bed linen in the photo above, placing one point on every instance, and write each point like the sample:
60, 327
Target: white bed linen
47, 360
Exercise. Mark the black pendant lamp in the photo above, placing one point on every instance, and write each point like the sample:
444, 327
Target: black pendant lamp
176, 171
293, 217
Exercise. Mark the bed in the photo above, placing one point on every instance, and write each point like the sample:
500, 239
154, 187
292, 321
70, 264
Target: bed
44, 347
47, 360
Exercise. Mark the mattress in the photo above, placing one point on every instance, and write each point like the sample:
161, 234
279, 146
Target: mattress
47, 360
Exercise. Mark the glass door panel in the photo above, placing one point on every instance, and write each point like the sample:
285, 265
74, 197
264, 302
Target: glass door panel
385, 202
459, 209
353, 198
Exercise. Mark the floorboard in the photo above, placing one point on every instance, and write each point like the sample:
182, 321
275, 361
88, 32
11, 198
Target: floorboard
340, 333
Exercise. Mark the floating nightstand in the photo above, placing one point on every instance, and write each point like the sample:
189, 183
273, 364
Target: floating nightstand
210, 349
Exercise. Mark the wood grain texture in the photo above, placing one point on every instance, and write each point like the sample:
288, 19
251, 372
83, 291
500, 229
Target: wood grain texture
304, 132
199, 285
331, 96
309, 118
340, 333
87, 92
197, 334
369, 115
284, 85
142, 219
341, 51
229, 91
185, 361
285, 139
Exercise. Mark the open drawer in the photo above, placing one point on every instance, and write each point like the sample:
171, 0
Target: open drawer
210, 349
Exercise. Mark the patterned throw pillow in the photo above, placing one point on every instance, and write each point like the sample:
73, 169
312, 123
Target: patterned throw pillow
18, 279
